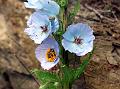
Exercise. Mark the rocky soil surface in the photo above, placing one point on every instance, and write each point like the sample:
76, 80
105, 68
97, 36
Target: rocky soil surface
17, 50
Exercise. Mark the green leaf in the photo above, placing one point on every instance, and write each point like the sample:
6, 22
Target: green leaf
43, 86
73, 12
68, 75
45, 77
82, 67
49, 85
62, 3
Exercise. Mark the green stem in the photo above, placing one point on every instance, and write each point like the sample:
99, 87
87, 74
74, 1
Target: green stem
63, 17
66, 86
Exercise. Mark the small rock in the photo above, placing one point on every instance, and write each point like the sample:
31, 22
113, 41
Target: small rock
118, 51
96, 59
3, 28
114, 76
22, 81
110, 59
117, 57
3, 83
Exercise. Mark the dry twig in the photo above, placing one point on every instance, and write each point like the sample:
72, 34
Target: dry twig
98, 14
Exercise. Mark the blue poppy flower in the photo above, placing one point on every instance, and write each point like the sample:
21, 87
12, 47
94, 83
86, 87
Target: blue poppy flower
78, 39
40, 26
48, 6
47, 53
39, 18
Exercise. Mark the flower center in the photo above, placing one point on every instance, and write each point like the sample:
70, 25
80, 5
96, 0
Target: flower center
52, 18
78, 41
51, 55
44, 28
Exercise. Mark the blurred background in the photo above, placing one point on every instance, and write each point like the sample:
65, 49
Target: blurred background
17, 56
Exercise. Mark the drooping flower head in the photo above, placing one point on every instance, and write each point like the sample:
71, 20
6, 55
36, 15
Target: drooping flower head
47, 6
78, 39
47, 53
40, 26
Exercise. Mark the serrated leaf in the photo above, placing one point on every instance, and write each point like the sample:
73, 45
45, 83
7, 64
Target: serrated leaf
44, 76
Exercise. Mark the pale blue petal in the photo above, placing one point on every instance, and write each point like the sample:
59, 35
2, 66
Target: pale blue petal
43, 12
79, 30
49, 65
86, 33
82, 29
52, 44
54, 25
32, 1
87, 49
72, 32
37, 19
36, 34
33, 4
40, 52
29, 5
72, 47
88, 38
68, 36
41, 37
75, 48
51, 6
47, 43
48, 6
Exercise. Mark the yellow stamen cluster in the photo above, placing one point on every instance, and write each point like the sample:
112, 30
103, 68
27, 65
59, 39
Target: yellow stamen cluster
50, 55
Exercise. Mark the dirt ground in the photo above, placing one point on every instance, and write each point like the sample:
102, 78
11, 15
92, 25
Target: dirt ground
103, 71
